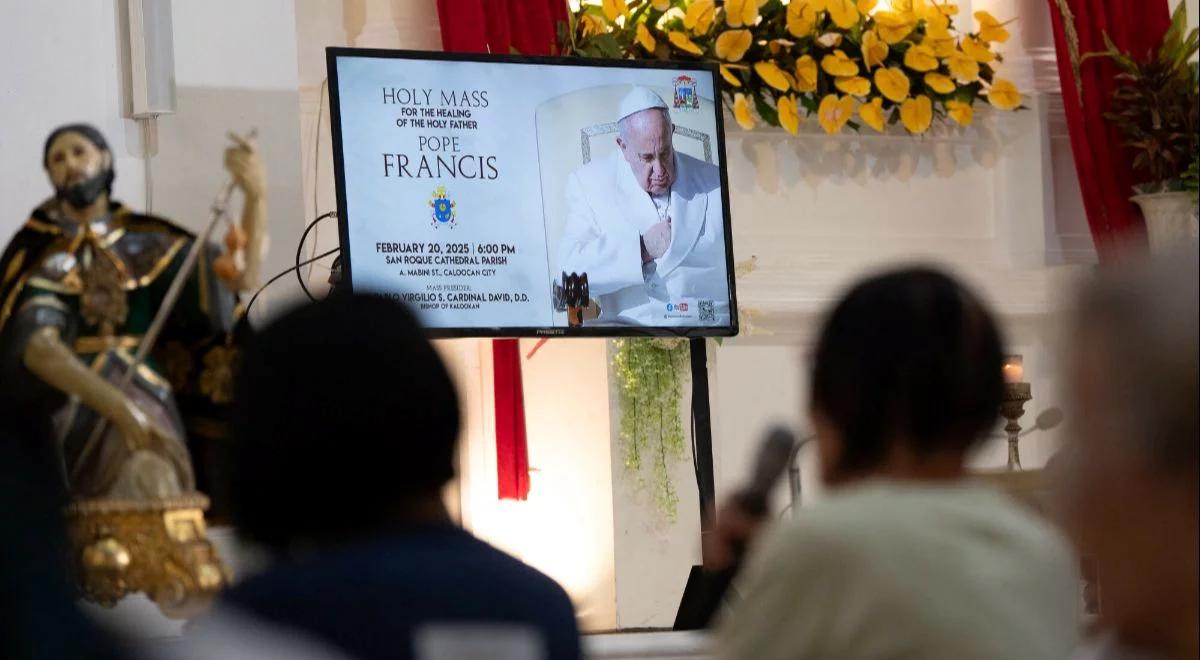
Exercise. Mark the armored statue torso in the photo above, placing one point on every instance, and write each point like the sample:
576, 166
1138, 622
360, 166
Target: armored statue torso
100, 285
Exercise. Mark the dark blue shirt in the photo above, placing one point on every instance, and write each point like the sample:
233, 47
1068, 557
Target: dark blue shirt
369, 598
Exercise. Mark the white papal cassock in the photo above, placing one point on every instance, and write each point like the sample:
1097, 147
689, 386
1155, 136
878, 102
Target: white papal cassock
607, 212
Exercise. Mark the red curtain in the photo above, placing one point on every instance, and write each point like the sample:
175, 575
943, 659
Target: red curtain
1105, 176
501, 27
512, 455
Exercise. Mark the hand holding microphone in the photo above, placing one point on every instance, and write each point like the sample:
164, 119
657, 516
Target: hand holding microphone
740, 518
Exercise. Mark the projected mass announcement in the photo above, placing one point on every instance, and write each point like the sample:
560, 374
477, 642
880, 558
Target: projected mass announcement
471, 186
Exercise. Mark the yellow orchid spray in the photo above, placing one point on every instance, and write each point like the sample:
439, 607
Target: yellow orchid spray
851, 63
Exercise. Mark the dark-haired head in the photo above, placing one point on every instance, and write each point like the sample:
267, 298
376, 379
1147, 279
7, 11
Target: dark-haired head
906, 377
345, 423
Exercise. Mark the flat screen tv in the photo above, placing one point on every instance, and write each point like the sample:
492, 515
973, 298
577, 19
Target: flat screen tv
527, 196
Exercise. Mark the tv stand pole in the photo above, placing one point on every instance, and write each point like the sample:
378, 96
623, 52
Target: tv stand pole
703, 591
702, 416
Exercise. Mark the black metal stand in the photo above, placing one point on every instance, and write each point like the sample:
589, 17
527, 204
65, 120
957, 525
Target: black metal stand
702, 415
701, 595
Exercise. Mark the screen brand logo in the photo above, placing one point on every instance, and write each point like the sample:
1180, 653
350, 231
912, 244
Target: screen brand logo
443, 208
686, 96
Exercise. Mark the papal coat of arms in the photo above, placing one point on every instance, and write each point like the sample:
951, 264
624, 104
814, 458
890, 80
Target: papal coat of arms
686, 96
442, 208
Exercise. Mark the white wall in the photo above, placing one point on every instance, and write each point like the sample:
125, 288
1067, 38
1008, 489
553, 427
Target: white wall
59, 63
235, 70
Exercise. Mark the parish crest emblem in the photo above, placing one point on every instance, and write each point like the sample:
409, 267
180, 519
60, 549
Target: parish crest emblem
686, 96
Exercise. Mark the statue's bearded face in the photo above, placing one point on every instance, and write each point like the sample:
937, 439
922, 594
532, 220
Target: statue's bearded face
78, 169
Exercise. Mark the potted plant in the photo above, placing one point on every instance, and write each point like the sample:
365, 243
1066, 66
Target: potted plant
1155, 109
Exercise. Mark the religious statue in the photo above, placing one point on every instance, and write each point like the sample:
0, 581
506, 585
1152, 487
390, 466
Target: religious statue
80, 286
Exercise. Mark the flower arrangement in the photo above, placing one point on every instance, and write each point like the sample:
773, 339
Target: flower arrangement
650, 375
848, 62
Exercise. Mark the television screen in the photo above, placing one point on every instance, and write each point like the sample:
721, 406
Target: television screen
520, 196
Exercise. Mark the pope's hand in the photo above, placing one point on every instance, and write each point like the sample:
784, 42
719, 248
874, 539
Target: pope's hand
656, 240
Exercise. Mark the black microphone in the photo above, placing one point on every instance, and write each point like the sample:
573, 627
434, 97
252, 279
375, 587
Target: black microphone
769, 466
772, 460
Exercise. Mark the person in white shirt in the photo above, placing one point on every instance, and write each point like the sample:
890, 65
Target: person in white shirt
1131, 492
905, 557
646, 223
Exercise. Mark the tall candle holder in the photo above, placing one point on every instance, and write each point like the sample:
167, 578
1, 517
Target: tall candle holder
1012, 406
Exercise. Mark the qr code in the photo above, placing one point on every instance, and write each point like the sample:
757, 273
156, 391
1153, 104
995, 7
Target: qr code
707, 313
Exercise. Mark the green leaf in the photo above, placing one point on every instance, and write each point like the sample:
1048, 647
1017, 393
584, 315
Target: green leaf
765, 111
607, 46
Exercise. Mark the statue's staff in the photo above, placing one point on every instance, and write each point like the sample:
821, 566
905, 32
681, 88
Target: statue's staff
217, 213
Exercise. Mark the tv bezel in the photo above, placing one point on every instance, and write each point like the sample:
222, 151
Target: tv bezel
332, 54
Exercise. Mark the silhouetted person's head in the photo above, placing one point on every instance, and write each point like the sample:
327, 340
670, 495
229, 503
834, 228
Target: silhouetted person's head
1129, 471
906, 378
345, 423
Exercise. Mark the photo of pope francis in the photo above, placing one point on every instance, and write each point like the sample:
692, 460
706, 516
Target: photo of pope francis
646, 223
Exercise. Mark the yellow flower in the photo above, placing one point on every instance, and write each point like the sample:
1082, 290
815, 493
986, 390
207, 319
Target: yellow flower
940, 40
592, 25
733, 44
939, 83
837, 64
806, 74
830, 39
789, 116
660, 5
990, 29
893, 27
699, 16
936, 20
834, 112
843, 13
741, 111
741, 12
960, 112
920, 58
926, 10
771, 74
853, 85
645, 39
976, 50
892, 83
681, 41
801, 18
946, 8
729, 76
964, 68
865, 6
917, 114
1004, 95
872, 113
615, 8
874, 50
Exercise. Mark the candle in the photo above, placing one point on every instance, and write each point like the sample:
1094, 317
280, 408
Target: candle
1013, 369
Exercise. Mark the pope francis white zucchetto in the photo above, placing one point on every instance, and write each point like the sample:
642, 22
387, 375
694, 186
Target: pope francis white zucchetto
646, 223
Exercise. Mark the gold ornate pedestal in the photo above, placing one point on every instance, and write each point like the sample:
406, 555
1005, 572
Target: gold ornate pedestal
158, 547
